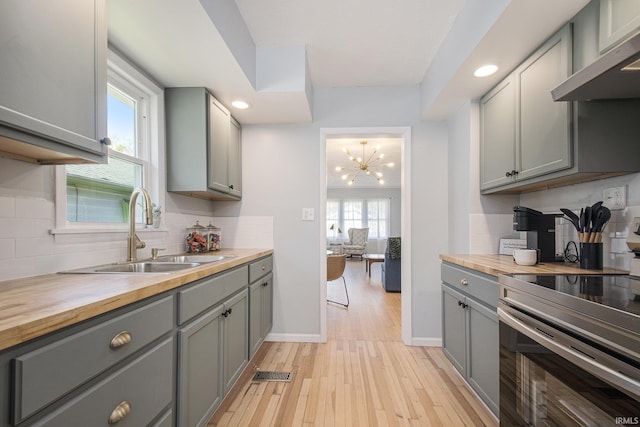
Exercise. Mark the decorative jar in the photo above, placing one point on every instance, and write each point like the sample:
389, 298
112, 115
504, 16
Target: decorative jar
214, 237
197, 239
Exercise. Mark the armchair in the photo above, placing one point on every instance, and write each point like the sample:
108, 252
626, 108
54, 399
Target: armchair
357, 242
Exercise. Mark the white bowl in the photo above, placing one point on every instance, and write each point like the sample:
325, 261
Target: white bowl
525, 256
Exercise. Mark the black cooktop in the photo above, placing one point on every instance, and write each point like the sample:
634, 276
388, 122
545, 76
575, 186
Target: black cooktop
621, 292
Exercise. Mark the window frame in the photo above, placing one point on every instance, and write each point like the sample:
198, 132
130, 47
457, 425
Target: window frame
127, 78
364, 220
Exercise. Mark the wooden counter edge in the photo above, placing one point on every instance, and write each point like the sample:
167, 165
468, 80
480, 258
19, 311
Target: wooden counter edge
494, 264
23, 330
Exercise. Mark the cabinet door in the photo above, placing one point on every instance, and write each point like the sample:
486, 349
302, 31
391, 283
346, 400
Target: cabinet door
235, 159
619, 19
267, 306
199, 367
235, 338
543, 133
255, 317
53, 86
217, 169
498, 135
484, 357
454, 341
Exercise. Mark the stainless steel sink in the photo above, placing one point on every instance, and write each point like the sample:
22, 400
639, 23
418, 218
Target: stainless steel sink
136, 268
191, 258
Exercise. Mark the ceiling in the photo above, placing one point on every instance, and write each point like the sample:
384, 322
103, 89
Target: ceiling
271, 53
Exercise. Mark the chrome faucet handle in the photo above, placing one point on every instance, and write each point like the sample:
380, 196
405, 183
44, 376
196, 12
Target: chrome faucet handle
154, 252
139, 243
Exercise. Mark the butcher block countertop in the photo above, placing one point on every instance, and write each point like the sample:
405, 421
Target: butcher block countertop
504, 264
34, 306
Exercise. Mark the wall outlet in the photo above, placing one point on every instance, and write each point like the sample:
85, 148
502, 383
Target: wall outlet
308, 214
615, 198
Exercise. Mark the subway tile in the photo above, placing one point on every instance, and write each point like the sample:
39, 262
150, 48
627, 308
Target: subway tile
7, 207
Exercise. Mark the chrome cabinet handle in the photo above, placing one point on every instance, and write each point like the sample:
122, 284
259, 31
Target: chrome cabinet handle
120, 412
264, 267
464, 282
121, 338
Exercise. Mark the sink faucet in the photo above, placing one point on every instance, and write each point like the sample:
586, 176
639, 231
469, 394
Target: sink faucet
133, 242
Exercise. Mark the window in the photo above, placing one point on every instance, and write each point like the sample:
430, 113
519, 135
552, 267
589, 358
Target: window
347, 213
90, 195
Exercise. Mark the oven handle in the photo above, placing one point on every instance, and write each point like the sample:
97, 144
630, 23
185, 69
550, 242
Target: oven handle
598, 369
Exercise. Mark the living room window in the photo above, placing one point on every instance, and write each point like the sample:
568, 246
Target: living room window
344, 214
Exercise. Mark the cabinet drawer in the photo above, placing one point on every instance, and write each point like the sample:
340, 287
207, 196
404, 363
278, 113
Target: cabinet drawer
478, 285
208, 292
45, 374
146, 384
259, 268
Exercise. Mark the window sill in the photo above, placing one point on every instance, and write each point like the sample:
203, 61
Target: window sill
114, 230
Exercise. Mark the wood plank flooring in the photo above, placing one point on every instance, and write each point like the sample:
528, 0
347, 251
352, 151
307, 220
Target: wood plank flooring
363, 376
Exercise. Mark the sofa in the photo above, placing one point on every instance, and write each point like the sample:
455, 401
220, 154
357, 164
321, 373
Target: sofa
391, 267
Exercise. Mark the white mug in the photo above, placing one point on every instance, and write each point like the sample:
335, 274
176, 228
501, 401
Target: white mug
525, 256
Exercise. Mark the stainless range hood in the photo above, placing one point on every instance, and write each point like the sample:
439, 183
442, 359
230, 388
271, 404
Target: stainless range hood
614, 75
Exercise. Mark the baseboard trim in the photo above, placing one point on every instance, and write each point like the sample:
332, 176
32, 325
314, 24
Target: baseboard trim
294, 338
426, 342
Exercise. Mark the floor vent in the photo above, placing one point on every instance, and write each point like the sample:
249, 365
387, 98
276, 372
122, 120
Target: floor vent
273, 376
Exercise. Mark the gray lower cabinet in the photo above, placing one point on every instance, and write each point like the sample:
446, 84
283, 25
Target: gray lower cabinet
200, 362
119, 365
54, 81
165, 361
470, 329
133, 396
235, 338
260, 302
213, 342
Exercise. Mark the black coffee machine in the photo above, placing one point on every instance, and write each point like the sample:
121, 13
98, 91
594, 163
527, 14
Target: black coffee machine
541, 231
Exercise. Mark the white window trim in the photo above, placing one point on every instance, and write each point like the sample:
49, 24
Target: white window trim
154, 171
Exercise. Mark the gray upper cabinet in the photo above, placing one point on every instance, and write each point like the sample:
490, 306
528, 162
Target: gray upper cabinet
524, 134
543, 132
54, 81
235, 158
498, 135
528, 142
619, 19
203, 146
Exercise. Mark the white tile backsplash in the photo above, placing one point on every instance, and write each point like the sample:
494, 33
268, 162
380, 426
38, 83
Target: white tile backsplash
485, 231
27, 247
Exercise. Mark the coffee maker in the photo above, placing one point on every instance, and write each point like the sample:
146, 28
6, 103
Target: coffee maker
540, 229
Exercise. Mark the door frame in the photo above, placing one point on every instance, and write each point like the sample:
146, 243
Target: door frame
405, 207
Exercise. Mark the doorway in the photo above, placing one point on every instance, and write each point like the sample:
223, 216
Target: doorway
403, 135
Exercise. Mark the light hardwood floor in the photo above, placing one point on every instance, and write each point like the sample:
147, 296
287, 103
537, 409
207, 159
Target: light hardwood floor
363, 376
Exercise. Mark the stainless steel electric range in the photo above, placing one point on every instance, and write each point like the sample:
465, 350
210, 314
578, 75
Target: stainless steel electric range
569, 350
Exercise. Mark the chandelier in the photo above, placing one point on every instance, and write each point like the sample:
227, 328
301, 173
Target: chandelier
371, 166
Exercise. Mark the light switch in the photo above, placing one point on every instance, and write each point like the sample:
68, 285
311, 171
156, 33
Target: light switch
308, 214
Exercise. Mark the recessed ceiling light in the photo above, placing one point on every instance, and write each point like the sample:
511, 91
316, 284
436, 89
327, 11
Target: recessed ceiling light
240, 105
485, 70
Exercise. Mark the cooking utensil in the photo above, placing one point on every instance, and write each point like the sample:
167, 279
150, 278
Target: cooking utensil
575, 220
599, 223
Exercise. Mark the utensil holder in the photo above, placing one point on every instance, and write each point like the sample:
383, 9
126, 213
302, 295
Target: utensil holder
591, 256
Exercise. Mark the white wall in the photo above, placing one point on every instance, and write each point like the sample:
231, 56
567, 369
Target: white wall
281, 175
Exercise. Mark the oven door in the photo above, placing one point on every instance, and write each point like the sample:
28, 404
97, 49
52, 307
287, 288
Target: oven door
551, 377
